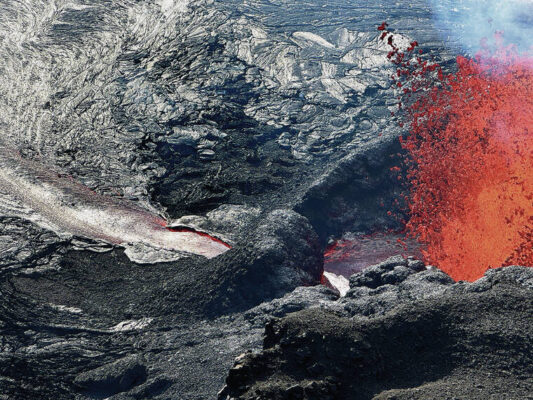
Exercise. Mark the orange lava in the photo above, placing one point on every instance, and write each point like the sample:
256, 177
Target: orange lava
199, 233
470, 159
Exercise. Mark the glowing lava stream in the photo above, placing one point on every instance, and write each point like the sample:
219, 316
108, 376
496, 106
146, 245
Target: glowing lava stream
70, 209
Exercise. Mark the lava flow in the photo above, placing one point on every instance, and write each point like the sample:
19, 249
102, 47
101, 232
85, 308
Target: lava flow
469, 157
32, 190
353, 252
199, 233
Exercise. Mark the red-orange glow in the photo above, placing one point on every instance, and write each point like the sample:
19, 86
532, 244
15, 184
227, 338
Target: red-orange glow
191, 230
470, 159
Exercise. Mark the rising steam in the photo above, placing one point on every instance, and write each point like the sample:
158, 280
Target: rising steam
468, 22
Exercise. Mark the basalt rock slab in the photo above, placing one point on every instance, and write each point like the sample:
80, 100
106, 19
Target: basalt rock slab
110, 379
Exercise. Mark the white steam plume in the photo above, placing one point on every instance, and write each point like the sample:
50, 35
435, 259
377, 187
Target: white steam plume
469, 21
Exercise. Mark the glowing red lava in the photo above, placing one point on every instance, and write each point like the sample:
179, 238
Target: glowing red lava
354, 252
469, 157
207, 235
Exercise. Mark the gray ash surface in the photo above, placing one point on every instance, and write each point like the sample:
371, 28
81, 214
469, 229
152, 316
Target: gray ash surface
266, 123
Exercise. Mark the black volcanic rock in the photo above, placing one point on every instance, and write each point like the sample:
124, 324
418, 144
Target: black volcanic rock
380, 288
355, 195
110, 379
111, 327
471, 341
281, 253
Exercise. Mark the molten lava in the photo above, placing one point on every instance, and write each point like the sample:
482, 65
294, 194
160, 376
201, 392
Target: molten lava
199, 233
354, 252
469, 158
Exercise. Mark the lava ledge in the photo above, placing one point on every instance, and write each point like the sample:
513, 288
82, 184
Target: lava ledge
400, 334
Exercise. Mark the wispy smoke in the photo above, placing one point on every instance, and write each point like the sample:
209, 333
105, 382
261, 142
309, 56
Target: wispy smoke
467, 22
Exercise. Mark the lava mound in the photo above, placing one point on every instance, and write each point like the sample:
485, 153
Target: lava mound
469, 342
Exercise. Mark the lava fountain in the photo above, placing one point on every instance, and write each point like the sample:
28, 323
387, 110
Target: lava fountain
469, 156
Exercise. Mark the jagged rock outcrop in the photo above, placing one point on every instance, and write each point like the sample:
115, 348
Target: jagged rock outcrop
470, 340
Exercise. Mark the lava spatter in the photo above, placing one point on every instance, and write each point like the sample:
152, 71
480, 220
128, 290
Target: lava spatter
469, 157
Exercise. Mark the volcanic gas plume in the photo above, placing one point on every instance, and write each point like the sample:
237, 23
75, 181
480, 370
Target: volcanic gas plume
469, 156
